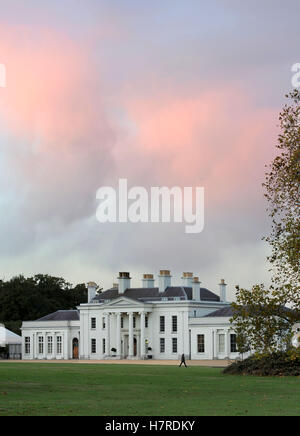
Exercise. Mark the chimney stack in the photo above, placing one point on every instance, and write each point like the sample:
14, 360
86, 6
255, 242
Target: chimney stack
164, 280
196, 289
92, 290
223, 291
187, 279
148, 281
124, 281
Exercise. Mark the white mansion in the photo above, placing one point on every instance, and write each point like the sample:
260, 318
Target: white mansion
137, 323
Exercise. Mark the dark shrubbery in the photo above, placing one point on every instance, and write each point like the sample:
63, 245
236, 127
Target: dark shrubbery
27, 299
275, 364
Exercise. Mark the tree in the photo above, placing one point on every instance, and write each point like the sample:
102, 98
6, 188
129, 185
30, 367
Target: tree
261, 314
28, 299
259, 323
283, 194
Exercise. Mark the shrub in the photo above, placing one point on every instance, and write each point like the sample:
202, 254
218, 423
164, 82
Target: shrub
274, 364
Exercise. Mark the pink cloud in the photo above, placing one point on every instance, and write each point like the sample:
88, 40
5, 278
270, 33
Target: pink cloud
217, 138
45, 80
53, 111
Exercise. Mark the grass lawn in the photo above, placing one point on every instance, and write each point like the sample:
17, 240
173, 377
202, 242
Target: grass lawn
116, 390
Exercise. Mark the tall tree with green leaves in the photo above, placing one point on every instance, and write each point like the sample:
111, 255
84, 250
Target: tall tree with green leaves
282, 188
260, 318
27, 299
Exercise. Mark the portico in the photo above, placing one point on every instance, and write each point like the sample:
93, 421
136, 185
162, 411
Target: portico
125, 332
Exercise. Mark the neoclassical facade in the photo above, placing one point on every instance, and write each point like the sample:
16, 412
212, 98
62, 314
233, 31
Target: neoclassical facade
150, 322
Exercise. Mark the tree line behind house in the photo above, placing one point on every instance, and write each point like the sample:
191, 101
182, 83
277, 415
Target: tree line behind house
27, 299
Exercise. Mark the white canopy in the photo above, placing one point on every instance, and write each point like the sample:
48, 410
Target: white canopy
8, 338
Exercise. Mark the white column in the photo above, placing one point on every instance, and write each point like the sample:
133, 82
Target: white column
81, 343
107, 322
32, 347
118, 335
65, 338
45, 346
36, 346
215, 344
85, 337
212, 336
226, 343
54, 354
130, 334
142, 321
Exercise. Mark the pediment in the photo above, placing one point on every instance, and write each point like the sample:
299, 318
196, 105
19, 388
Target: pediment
126, 302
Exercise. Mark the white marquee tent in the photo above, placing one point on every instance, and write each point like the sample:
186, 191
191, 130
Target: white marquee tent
13, 341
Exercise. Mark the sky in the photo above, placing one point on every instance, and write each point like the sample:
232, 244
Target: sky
165, 93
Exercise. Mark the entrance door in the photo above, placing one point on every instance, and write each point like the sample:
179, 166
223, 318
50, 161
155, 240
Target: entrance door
75, 348
134, 346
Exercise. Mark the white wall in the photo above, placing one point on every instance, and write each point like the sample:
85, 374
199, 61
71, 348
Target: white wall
68, 330
212, 328
182, 331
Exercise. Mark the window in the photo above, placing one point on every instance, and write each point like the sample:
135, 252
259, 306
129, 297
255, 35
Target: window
134, 322
161, 324
27, 345
50, 345
201, 343
174, 345
41, 345
233, 345
122, 322
103, 323
174, 324
93, 323
222, 343
59, 345
162, 345
103, 346
94, 346
146, 321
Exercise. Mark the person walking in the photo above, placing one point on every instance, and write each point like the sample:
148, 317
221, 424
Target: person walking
182, 361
